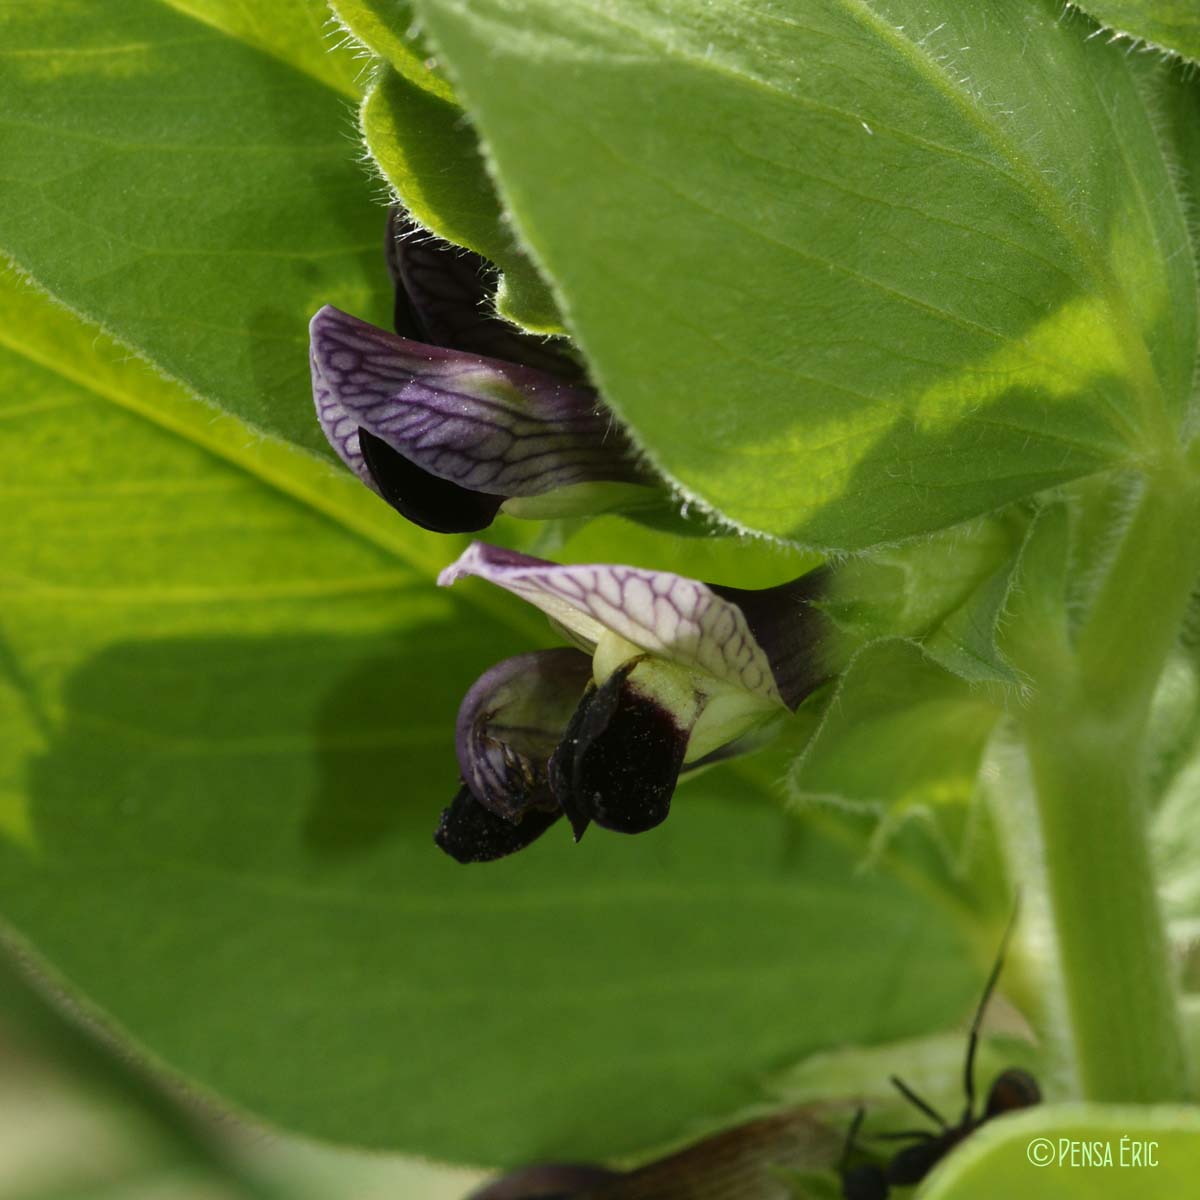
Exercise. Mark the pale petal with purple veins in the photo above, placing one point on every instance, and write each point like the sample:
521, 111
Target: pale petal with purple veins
337, 424
667, 615
479, 423
511, 721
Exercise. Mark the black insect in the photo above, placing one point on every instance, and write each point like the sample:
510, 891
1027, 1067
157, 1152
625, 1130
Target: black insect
1012, 1089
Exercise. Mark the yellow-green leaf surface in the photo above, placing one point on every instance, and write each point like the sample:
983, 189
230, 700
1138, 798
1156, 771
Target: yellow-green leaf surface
185, 176
297, 32
1076, 1152
1169, 24
227, 700
853, 269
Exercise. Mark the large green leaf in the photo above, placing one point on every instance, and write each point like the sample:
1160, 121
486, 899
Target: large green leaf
298, 32
851, 270
227, 700
1169, 24
193, 193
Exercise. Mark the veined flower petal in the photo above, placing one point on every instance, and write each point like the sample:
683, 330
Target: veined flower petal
785, 621
509, 724
477, 424
445, 296
760, 642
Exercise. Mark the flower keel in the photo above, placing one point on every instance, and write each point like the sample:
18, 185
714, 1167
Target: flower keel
620, 757
469, 833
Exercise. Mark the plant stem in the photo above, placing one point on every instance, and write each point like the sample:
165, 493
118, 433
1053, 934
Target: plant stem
1084, 733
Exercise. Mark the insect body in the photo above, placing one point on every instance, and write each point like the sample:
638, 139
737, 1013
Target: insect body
1012, 1089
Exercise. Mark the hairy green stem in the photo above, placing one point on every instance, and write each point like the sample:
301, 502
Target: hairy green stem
1084, 732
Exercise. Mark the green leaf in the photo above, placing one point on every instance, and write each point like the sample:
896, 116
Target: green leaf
733, 561
965, 642
1175, 89
830, 315
428, 152
297, 32
228, 690
1002, 1159
903, 733
1168, 24
194, 195
386, 28
946, 592
904, 738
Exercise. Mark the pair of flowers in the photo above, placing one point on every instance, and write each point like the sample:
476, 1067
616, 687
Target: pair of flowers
460, 415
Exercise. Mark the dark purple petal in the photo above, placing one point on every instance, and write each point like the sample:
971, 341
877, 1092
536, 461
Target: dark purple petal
790, 628
484, 425
445, 296
619, 759
668, 615
509, 724
470, 833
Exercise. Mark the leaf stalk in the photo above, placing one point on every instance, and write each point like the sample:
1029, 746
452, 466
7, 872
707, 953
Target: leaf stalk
1084, 732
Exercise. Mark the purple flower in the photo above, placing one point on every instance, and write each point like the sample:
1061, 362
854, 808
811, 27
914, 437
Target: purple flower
459, 413
666, 675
